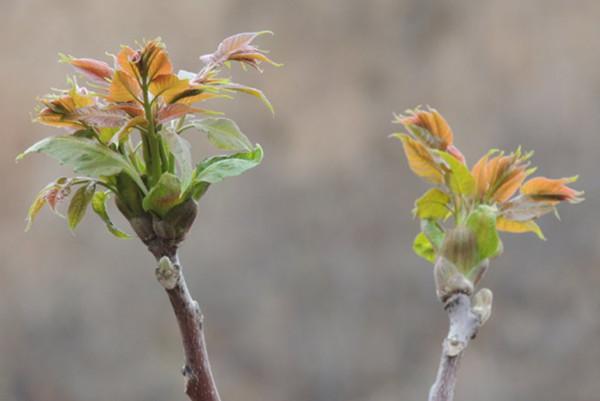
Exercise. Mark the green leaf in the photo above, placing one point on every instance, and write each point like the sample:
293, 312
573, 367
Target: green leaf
432, 205
224, 134
461, 182
181, 150
482, 222
424, 248
79, 204
99, 206
85, 156
434, 233
164, 195
215, 169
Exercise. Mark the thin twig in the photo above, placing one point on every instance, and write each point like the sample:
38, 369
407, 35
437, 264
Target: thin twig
464, 324
199, 385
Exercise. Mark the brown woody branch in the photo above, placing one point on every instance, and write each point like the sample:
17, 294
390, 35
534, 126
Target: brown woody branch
199, 382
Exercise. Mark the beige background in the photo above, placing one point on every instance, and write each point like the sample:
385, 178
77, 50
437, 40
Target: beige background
304, 266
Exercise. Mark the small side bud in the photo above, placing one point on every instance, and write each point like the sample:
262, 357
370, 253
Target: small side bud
449, 281
167, 273
482, 304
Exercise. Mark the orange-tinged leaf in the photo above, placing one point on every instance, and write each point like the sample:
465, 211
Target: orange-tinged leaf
175, 110
95, 70
499, 177
188, 97
168, 86
479, 172
420, 160
125, 60
430, 127
159, 64
239, 48
47, 117
551, 190
132, 109
124, 88
510, 186
513, 226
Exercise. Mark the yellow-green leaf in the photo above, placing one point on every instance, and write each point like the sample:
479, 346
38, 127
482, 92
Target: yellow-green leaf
460, 180
423, 247
513, 226
99, 207
433, 205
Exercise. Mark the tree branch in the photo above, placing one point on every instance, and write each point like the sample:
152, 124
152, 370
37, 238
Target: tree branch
199, 382
465, 321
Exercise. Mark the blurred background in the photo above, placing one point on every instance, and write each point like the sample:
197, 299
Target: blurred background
304, 267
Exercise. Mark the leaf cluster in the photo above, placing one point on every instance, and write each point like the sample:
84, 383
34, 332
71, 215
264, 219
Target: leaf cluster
462, 214
125, 131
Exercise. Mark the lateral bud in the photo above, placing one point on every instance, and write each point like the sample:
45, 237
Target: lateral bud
167, 273
482, 304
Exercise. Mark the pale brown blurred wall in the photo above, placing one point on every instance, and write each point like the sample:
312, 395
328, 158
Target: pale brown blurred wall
304, 266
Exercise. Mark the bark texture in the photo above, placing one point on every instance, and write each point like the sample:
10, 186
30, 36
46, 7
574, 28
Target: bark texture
199, 381
465, 321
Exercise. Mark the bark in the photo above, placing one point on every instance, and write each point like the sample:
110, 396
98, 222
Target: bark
199, 382
465, 321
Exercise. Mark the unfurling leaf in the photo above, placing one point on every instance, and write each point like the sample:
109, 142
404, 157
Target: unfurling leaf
79, 204
164, 195
99, 206
420, 160
224, 134
434, 204
85, 157
238, 48
460, 180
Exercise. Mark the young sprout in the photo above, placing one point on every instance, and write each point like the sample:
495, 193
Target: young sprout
460, 219
123, 137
